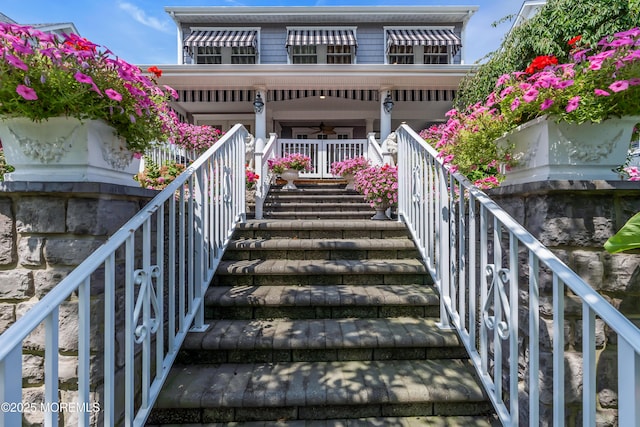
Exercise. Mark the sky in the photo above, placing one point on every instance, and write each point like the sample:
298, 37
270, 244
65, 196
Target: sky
142, 33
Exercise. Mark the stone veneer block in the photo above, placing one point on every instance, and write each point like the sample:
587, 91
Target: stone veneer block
40, 215
7, 244
98, 217
30, 251
16, 284
69, 251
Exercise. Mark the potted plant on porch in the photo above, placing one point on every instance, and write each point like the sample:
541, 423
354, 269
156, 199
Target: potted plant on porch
348, 168
574, 120
379, 186
544, 123
72, 111
289, 167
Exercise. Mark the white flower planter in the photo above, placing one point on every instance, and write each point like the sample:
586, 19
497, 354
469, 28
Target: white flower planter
63, 149
546, 150
290, 175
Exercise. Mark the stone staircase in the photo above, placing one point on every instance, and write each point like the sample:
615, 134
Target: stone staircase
322, 317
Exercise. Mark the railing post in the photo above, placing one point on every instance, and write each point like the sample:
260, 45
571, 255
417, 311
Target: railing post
628, 385
443, 260
261, 184
11, 387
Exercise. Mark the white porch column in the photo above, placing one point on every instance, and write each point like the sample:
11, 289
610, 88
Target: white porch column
260, 109
385, 116
369, 124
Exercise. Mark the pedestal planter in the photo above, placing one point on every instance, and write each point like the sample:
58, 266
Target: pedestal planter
351, 183
546, 150
381, 213
290, 175
65, 149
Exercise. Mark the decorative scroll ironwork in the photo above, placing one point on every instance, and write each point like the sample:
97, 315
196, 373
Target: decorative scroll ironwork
497, 284
149, 325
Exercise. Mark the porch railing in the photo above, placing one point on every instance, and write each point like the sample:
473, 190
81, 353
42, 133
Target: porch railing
489, 272
144, 287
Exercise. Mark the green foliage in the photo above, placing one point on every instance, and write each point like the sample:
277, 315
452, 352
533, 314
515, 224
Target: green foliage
547, 33
4, 167
157, 177
627, 238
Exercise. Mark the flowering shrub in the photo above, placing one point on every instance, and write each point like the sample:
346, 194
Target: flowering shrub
155, 177
43, 75
4, 167
349, 166
294, 161
378, 184
251, 178
595, 84
465, 143
195, 137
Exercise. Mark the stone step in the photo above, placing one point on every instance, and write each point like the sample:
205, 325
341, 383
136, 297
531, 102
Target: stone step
318, 272
321, 229
344, 215
321, 301
322, 197
435, 421
241, 392
304, 206
320, 340
294, 249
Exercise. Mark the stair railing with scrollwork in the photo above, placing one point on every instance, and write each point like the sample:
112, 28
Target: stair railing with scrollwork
143, 289
488, 270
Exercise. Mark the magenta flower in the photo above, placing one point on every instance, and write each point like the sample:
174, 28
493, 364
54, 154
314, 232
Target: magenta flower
600, 92
547, 103
27, 93
83, 78
619, 86
573, 104
113, 94
515, 104
530, 95
16, 62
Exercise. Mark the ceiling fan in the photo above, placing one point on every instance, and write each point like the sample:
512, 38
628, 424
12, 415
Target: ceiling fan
323, 129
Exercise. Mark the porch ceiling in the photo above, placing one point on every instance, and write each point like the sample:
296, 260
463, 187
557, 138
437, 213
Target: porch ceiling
288, 76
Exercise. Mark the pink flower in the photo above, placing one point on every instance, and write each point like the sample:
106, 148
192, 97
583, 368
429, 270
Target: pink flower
619, 86
83, 78
113, 94
600, 92
515, 104
547, 103
530, 95
27, 93
16, 62
573, 104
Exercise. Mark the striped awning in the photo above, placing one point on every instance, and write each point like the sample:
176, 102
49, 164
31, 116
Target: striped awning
222, 38
338, 37
423, 37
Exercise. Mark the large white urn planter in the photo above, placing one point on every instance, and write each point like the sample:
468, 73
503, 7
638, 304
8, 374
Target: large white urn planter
290, 175
63, 149
547, 150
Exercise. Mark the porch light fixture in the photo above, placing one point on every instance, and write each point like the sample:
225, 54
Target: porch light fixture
388, 103
258, 104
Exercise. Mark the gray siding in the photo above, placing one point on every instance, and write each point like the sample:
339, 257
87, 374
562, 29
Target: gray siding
371, 48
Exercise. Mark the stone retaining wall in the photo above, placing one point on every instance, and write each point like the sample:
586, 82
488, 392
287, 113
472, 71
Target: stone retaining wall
574, 219
46, 230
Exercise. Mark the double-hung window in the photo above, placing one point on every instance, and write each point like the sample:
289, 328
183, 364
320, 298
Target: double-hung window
331, 45
421, 45
222, 46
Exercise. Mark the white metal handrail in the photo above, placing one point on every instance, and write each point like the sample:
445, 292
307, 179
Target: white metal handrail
483, 262
162, 153
264, 152
150, 278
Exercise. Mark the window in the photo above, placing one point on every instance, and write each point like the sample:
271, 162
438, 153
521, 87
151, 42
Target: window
222, 46
243, 55
339, 54
421, 45
304, 54
401, 54
436, 55
332, 45
208, 55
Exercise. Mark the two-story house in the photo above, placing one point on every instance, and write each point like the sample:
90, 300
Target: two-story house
318, 72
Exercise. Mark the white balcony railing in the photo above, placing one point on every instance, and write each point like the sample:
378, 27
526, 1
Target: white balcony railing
143, 288
489, 271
